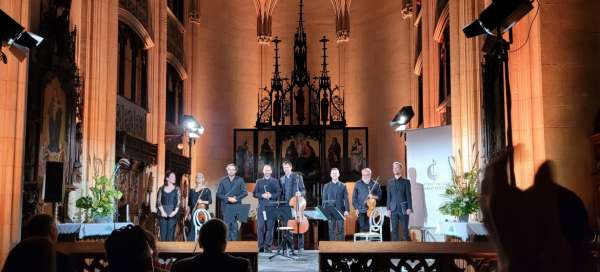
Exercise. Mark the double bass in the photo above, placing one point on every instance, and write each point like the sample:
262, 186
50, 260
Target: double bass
299, 225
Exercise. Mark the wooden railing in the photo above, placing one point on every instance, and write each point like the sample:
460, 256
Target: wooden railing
90, 256
410, 256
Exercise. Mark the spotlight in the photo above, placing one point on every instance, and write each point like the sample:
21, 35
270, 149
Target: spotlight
501, 15
18, 40
402, 118
190, 122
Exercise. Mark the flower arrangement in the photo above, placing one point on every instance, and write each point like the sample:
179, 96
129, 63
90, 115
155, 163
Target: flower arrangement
463, 192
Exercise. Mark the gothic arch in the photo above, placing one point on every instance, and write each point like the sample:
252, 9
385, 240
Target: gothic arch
173, 61
130, 20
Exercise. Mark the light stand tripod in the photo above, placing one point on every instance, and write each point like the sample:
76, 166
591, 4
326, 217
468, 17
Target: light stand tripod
496, 91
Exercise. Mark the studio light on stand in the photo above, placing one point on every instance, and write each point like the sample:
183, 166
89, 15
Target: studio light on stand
18, 40
402, 119
500, 16
193, 129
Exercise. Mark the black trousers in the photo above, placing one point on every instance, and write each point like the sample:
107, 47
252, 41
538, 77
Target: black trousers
363, 222
167, 228
403, 218
264, 230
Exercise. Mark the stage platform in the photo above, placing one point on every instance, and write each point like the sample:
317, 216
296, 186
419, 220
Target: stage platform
331, 256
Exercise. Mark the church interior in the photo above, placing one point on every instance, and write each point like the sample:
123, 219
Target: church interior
316, 131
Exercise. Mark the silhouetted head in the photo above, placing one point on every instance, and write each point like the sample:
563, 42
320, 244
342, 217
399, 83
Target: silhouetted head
213, 236
128, 249
41, 225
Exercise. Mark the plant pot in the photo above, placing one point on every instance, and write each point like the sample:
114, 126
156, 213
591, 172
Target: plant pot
103, 219
463, 218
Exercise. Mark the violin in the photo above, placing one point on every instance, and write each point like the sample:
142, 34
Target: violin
299, 224
371, 202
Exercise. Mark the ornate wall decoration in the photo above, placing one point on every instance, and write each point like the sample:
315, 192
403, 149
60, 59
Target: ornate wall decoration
342, 19
131, 118
264, 19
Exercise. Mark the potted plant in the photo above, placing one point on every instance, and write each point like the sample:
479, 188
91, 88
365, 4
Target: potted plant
100, 206
463, 193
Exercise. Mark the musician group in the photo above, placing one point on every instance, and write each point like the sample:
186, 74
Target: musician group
288, 189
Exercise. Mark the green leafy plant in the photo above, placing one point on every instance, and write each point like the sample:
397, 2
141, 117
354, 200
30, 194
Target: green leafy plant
101, 201
463, 193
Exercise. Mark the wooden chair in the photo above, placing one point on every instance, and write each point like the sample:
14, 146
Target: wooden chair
375, 227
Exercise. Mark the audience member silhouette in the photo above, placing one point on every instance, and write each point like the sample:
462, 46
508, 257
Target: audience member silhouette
43, 225
128, 249
543, 228
213, 240
32, 254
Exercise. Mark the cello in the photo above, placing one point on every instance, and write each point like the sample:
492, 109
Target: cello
299, 225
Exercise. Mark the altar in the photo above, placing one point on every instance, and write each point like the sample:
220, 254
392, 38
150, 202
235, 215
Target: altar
70, 232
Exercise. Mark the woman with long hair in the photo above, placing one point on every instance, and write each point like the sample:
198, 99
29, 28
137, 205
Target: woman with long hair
198, 197
168, 201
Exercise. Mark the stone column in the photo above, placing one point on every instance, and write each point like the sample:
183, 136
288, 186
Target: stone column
465, 57
13, 89
99, 45
157, 86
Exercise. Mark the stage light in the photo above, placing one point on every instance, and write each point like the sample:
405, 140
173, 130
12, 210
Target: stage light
402, 118
501, 15
190, 122
18, 40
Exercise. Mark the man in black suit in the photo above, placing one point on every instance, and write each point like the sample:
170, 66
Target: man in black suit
399, 202
212, 239
232, 189
335, 194
292, 185
266, 191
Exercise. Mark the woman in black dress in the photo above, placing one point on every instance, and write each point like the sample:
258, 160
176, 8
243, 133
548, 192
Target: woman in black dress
168, 201
199, 197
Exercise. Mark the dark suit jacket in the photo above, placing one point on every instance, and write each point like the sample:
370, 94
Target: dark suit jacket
272, 187
291, 186
221, 262
336, 195
227, 188
399, 197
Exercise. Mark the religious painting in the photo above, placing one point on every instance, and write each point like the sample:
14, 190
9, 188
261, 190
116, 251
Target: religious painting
302, 149
244, 154
357, 151
266, 149
333, 146
54, 121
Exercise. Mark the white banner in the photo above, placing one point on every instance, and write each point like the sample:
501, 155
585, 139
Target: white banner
429, 172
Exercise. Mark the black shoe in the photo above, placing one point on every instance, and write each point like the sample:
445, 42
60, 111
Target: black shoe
261, 250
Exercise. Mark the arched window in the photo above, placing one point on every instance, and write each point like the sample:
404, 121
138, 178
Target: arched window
133, 62
444, 72
176, 6
174, 95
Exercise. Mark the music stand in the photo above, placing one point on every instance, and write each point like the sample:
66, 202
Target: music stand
282, 213
236, 211
331, 212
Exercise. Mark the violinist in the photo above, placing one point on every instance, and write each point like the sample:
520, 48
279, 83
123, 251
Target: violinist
293, 186
266, 191
364, 190
199, 197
